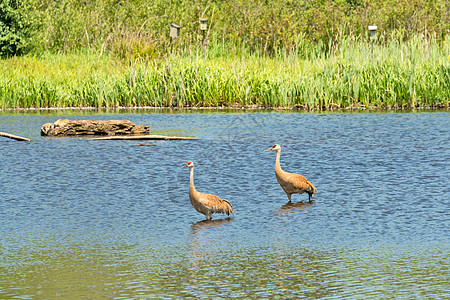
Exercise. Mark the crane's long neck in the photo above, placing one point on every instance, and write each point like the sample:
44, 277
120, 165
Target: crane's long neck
191, 177
277, 162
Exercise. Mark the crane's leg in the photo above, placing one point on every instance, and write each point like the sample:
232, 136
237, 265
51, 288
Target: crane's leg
208, 217
289, 197
309, 200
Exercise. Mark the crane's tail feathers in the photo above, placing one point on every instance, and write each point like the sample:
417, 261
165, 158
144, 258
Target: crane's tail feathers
313, 188
217, 205
227, 208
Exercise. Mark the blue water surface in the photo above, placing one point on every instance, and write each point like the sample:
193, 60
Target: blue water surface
111, 219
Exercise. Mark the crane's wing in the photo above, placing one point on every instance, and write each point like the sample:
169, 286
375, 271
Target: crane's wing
300, 182
216, 204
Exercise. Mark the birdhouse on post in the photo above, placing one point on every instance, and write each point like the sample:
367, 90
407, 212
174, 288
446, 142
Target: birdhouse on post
174, 30
203, 28
174, 33
372, 31
203, 24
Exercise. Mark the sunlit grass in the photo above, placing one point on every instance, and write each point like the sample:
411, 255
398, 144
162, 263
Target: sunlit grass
352, 74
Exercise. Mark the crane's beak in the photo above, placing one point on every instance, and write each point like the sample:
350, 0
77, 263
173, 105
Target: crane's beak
184, 166
267, 150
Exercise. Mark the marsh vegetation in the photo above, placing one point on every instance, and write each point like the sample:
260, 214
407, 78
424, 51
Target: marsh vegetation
352, 74
307, 55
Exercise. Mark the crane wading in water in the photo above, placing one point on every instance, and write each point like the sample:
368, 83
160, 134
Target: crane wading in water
206, 204
290, 182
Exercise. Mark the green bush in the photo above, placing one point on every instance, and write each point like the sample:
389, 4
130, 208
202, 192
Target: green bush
139, 29
260, 25
134, 47
12, 29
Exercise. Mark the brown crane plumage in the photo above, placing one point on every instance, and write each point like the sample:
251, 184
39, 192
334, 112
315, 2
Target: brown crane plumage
206, 204
290, 182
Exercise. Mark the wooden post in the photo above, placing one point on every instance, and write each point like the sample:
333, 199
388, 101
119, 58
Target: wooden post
14, 137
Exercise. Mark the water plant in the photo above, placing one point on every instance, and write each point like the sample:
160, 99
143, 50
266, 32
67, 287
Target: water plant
351, 74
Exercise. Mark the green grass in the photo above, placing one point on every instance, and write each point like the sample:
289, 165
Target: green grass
353, 74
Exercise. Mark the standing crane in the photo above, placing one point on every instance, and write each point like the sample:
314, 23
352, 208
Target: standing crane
290, 182
206, 204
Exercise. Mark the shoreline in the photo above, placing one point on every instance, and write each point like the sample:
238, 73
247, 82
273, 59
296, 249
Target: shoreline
222, 108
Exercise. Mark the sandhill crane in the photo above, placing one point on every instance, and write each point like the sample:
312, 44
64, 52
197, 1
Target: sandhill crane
290, 182
206, 204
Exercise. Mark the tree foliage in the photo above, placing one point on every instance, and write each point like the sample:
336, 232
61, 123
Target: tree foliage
12, 29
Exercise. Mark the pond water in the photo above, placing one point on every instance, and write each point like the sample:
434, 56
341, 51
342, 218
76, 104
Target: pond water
109, 219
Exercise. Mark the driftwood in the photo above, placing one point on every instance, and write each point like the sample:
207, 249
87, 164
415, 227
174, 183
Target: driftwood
139, 137
149, 145
64, 127
14, 137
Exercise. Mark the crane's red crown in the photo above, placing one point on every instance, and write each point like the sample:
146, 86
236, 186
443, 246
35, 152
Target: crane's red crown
274, 146
189, 162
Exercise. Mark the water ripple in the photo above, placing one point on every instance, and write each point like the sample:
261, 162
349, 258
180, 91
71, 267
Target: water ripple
83, 219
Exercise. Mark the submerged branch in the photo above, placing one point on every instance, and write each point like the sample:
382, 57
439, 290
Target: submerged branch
14, 137
139, 137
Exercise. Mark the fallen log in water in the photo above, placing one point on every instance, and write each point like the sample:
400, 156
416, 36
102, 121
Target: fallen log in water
14, 137
64, 127
139, 137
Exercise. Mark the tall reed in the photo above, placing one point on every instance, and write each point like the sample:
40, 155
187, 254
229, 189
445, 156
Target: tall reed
351, 73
